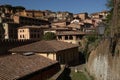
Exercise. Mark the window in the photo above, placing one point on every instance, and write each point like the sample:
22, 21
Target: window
31, 36
59, 37
31, 31
35, 31
79, 37
20, 36
66, 37
34, 35
22, 30
71, 37
80, 43
38, 35
23, 36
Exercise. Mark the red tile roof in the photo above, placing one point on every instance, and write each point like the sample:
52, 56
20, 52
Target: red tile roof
44, 46
16, 66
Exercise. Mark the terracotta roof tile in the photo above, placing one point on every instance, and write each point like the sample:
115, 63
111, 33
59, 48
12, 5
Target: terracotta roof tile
44, 46
13, 67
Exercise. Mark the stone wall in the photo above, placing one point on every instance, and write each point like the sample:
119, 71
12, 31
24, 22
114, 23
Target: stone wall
102, 64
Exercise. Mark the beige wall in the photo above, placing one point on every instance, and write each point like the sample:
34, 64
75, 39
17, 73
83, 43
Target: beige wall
88, 21
23, 34
83, 16
16, 19
31, 13
38, 14
68, 56
60, 24
71, 41
51, 56
75, 40
30, 33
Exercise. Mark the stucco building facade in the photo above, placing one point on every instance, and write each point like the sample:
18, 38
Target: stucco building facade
82, 16
22, 20
30, 33
31, 13
74, 37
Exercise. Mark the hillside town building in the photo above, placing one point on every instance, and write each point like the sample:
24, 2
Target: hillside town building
59, 24
74, 37
82, 16
10, 30
76, 24
31, 32
22, 20
32, 13
6, 20
54, 30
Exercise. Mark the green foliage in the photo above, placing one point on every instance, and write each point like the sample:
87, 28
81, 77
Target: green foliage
91, 43
14, 8
19, 7
49, 36
110, 4
108, 21
113, 19
78, 76
91, 38
92, 78
107, 31
7, 6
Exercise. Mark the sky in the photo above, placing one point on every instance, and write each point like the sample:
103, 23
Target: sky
74, 6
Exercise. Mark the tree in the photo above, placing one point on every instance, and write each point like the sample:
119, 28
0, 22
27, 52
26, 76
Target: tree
115, 26
113, 19
49, 36
18, 8
7, 6
108, 19
110, 4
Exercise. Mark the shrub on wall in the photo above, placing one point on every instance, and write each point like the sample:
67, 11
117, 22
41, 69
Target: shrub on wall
49, 36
